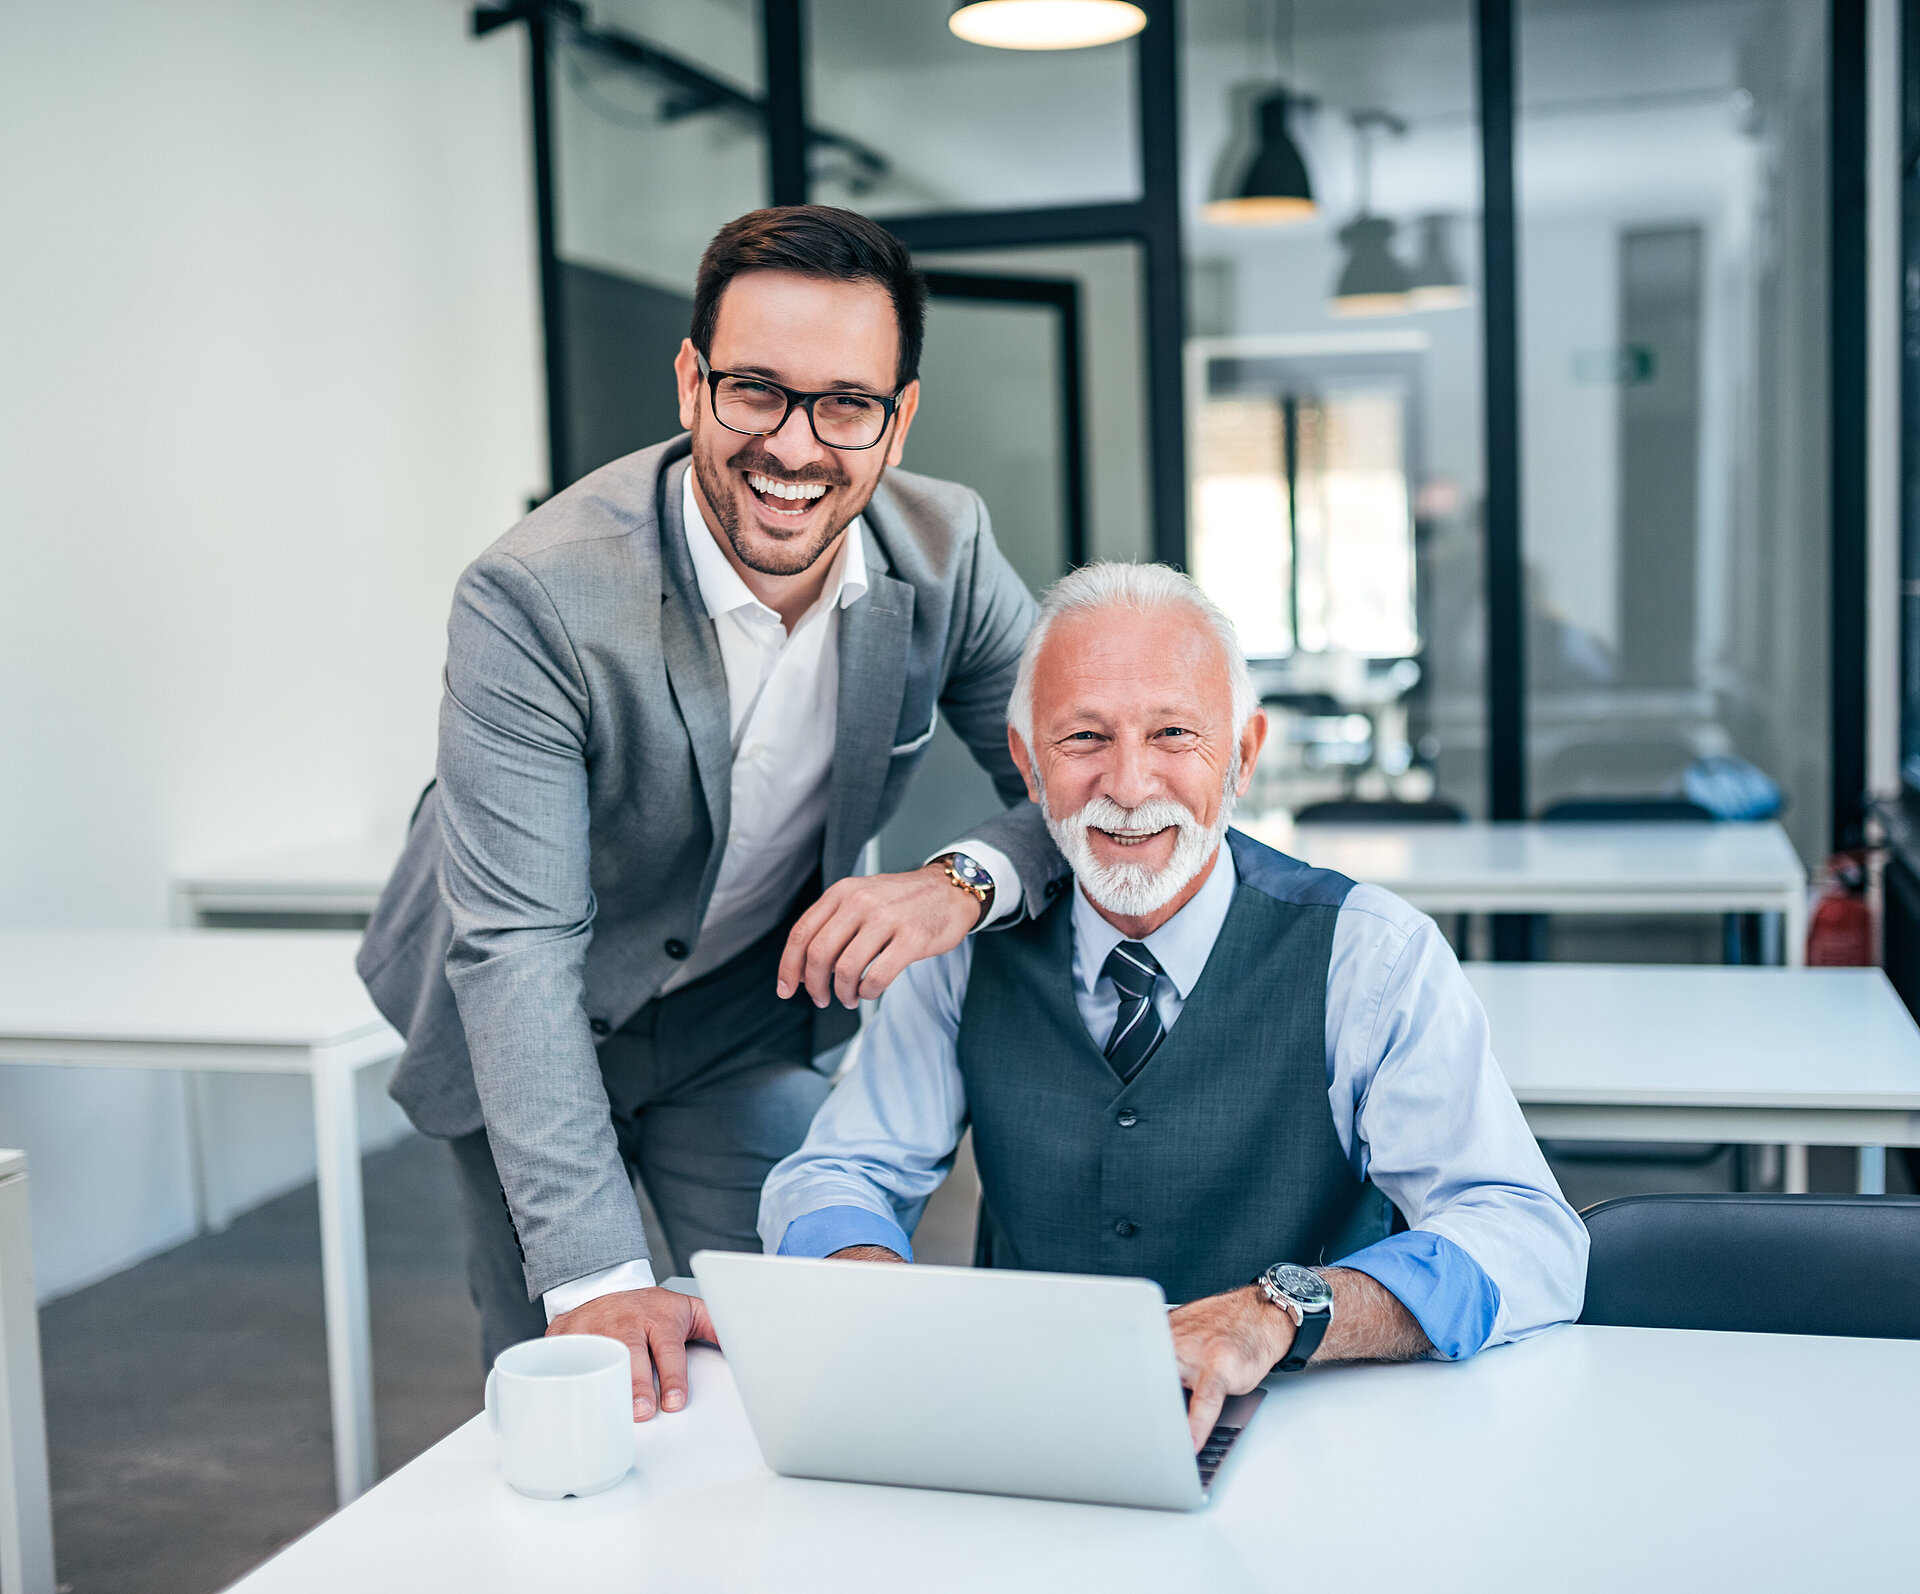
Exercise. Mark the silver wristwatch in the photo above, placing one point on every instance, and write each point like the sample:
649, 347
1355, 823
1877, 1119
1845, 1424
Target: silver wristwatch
1305, 1297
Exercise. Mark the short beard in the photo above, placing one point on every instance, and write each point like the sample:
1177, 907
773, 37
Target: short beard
1132, 890
781, 559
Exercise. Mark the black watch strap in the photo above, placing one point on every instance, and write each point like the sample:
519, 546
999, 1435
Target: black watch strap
1306, 1340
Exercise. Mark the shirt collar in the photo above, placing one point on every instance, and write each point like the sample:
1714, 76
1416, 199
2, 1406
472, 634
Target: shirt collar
1181, 946
722, 590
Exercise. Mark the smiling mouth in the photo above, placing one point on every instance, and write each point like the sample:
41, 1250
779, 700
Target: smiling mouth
1133, 838
791, 499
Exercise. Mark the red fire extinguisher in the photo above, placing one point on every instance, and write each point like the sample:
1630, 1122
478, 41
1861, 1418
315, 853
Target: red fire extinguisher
1840, 929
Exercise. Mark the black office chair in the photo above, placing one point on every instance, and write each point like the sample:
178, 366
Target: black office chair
1391, 811
1757, 1264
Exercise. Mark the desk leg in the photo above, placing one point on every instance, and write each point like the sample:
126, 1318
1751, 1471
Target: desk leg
1873, 1170
343, 1268
1793, 933
209, 1215
26, 1512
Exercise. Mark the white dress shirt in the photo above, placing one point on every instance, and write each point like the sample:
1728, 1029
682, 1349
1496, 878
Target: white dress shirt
1420, 1107
783, 711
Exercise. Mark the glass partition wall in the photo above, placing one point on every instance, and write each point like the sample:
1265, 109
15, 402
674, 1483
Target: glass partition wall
1242, 293
1334, 384
660, 138
1673, 198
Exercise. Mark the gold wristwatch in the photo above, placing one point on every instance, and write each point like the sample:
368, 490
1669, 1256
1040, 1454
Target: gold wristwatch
970, 878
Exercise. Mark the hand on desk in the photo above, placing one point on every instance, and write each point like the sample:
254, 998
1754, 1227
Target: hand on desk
655, 1325
1225, 1344
853, 943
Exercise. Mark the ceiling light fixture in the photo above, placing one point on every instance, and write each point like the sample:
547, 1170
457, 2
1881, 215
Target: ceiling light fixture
1275, 188
1045, 24
1438, 282
1373, 281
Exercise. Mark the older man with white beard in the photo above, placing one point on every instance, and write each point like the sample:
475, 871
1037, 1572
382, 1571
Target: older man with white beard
1260, 1084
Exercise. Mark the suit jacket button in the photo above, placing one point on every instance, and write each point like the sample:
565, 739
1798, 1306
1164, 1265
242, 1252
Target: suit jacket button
1054, 887
1124, 1229
599, 1026
676, 948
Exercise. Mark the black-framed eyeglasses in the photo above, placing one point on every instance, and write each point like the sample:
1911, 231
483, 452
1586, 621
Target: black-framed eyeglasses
755, 407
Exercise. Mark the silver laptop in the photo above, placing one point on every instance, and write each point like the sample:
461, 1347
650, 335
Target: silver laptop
1052, 1385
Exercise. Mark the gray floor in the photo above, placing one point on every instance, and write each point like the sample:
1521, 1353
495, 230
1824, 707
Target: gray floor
187, 1397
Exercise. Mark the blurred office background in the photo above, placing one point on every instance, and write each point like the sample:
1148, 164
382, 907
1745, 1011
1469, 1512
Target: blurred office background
1542, 435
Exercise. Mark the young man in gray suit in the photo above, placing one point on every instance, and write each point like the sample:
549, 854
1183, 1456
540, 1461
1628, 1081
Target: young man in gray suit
679, 698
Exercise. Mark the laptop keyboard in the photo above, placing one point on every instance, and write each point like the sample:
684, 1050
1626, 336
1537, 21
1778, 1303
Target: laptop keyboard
1235, 1414
1214, 1451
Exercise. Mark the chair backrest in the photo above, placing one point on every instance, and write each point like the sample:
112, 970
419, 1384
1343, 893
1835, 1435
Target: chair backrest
1757, 1264
1621, 810
1352, 811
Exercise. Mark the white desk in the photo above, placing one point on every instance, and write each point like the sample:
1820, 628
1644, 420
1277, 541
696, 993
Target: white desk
1517, 867
1589, 1459
326, 878
1754, 1055
26, 1512
228, 1001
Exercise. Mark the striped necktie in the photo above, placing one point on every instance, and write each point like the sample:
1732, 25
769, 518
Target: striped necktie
1136, 1032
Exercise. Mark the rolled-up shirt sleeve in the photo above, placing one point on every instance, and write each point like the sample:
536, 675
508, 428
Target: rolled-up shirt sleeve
887, 1135
1494, 1252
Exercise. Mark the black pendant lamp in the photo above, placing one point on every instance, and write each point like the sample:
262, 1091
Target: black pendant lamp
1373, 281
1045, 24
1438, 282
1275, 188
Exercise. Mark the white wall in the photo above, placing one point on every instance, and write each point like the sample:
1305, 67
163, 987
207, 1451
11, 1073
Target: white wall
268, 378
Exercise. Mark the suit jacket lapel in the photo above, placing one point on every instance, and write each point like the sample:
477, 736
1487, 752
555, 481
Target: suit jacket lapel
694, 669
876, 632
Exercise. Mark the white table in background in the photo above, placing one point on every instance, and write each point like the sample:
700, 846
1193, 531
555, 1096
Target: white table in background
1583, 1461
1708, 1053
334, 877
1526, 867
26, 1511
228, 1001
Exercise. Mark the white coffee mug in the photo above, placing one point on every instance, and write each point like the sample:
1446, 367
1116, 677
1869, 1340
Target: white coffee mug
562, 1409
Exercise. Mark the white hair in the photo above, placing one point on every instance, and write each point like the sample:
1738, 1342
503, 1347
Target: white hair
1143, 589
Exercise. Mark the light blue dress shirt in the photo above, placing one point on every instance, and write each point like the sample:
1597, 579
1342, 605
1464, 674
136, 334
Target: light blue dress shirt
1493, 1252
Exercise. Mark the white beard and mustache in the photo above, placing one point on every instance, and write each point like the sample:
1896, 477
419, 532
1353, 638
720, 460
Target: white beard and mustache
1135, 890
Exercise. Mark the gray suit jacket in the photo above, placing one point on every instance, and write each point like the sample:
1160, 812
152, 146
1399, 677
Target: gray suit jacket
582, 806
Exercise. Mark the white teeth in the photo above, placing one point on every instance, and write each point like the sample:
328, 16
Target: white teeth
774, 489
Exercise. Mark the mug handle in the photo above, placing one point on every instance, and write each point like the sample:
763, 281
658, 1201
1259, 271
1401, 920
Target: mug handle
493, 1407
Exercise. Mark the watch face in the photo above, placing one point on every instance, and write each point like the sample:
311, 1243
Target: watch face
969, 871
1301, 1284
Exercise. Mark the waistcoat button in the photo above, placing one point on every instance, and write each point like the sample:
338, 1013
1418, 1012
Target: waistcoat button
599, 1026
1124, 1229
676, 948
1127, 1120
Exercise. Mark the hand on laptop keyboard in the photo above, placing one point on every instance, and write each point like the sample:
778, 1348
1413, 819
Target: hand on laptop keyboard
1225, 1344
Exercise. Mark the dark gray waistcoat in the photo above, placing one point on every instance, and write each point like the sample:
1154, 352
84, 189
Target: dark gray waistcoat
1220, 1158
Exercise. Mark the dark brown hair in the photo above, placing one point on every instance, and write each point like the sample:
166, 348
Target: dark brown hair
815, 241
